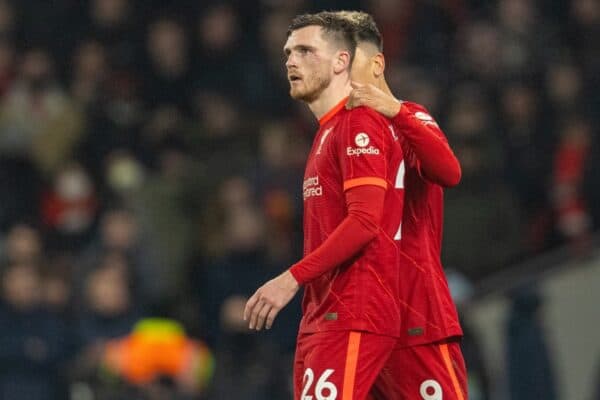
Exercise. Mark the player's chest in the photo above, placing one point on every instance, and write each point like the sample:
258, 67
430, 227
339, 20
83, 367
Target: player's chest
322, 174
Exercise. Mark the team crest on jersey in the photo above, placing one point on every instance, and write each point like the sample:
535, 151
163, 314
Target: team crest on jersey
323, 137
362, 139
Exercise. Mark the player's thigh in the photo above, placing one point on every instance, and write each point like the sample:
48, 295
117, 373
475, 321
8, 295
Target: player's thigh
339, 365
429, 372
302, 348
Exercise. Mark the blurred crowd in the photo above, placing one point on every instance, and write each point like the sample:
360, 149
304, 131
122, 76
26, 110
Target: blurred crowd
151, 163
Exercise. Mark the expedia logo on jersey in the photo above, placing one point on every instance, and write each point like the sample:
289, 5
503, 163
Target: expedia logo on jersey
311, 187
362, 141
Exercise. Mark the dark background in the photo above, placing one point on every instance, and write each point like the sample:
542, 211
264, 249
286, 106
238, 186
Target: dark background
151, 163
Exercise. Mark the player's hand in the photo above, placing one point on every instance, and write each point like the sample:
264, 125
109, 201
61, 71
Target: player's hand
373, 97
264, 305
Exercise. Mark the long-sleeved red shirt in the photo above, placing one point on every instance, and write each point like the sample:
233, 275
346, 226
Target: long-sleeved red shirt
437, 163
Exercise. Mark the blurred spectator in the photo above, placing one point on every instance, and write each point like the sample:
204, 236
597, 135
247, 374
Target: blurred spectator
37, 118
570, 159
113, 23
90, 72
583, 27
564, 86
7, 20
22, 244
113, 124
277, 177
109, 300
7, 64
522, 37
477, 51
69, 207
168, 81
220, 56
34, 341
109, 311
222, 137
57, 286
120, 234
163, 207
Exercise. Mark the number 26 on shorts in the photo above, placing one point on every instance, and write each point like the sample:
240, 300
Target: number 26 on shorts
323, 390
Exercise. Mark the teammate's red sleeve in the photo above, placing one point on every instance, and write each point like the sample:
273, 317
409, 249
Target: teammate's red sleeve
365, 209
436, 160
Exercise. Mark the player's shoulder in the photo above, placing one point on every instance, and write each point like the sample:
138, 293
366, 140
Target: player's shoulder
418, 110
365, 115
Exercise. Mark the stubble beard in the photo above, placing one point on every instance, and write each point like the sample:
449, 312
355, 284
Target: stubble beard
314, 87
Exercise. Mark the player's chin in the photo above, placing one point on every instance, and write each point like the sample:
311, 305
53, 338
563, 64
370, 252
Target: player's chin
302, 95
296, 93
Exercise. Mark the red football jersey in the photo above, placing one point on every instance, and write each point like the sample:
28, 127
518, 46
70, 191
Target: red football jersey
353, 148
428, 311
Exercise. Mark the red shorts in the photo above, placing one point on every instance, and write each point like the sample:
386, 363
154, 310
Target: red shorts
339, 365
348, 365
433, 371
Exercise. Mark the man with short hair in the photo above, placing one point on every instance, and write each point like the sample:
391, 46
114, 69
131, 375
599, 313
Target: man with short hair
428, 348
351, 308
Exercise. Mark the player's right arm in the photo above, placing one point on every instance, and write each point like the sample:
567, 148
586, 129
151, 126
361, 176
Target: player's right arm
364, 149
365, 210
435, 160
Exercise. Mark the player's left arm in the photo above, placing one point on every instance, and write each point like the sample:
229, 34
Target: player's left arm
436, 159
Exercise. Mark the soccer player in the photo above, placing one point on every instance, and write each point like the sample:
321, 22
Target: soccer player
351, 265
428, 349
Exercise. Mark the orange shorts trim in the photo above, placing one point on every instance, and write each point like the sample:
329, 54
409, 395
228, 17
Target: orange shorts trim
450, 368
351, 362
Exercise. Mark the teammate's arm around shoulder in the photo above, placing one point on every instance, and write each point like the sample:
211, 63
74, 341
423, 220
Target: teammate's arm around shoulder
436, 161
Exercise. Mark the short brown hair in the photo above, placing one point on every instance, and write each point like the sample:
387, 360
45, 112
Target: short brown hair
337, 28
365, 28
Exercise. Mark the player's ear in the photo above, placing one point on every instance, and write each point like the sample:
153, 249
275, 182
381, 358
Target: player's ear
342, 61
378, 65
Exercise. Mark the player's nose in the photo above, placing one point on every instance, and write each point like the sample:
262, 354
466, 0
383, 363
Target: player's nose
290, 62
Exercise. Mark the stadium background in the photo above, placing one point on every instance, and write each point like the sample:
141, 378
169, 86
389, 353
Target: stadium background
151, 162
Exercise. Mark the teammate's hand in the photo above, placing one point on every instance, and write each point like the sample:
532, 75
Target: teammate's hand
264, 305
373, 97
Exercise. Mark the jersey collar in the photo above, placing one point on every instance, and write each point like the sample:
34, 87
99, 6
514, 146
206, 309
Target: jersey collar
333, 111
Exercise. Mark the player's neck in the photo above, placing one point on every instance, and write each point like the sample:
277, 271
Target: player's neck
337, 90
383, 85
